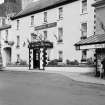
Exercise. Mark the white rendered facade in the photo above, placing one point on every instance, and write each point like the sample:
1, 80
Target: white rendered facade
70, 22
87, 17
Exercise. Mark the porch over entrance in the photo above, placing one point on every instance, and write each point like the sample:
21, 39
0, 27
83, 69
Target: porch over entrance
38, 54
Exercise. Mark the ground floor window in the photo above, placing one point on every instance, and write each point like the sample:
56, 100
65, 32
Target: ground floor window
84, 56
60, 55
18, 58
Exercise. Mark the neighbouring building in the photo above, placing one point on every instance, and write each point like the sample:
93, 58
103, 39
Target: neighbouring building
96, 42
61, 22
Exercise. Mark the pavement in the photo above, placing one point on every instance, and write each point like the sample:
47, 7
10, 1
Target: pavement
81, 77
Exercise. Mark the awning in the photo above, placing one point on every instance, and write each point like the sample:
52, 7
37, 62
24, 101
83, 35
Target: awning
94, 41
40, 44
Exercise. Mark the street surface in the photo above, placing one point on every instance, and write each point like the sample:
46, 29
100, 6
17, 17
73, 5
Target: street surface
38, 88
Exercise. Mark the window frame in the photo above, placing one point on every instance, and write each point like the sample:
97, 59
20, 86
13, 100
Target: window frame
84, 6
60, 34
18, 41
45, 16
60, 12
18, 23
45, 34
32, 20
60, 55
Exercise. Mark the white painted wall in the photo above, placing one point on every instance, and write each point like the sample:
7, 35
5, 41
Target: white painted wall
88, 18
71, 35
71, 28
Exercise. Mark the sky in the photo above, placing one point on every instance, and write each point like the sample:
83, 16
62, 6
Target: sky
1, 1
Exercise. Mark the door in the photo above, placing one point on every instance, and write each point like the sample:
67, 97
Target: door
36, 58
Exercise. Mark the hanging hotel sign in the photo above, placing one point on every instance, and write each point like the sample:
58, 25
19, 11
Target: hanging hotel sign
50, 25
93, 46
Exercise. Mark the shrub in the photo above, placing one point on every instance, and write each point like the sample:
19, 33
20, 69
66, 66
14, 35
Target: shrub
53, 62
22, 62
75, 62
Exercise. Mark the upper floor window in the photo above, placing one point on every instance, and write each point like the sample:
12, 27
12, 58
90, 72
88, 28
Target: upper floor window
45, 35
18, 41
84, 6
32, 20
60, 34
60, 13
6, 37
84, 30
3, 21
18, 21
45, 16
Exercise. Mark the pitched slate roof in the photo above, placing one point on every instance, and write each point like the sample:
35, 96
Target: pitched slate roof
94, 39
40, 6
99, 3
5, 27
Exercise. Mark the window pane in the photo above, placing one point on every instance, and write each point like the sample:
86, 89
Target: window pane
18, 41
45, 16
60, 55
32, 20
45, 35
60, 34
6, 37
17, 24
84, 29
84, 6
60, 13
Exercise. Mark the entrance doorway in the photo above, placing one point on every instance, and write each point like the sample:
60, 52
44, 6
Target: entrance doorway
7, 56
36, 58
38, 54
